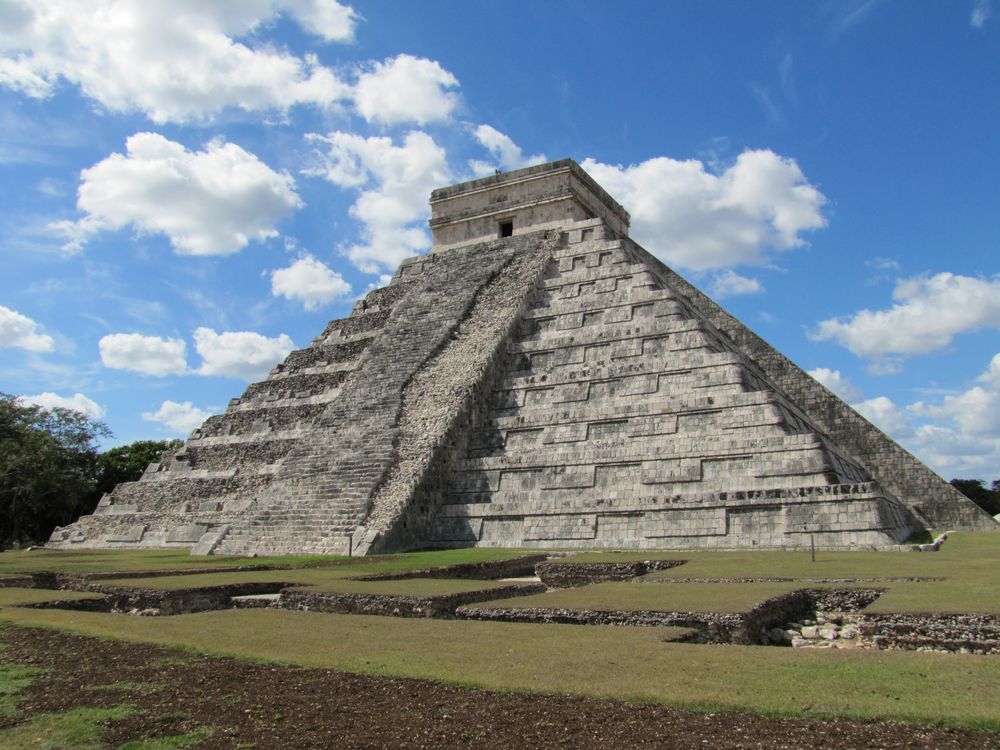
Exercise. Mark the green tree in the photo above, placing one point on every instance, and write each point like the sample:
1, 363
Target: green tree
975, 490
48, 468
126, 463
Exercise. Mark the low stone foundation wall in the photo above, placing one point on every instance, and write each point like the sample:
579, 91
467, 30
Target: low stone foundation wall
568, 574
744, 628
515, 567
443, 606
976, 634
164, 602
712, 628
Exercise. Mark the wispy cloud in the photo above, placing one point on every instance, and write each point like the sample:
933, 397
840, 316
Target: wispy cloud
848, 15
981, 12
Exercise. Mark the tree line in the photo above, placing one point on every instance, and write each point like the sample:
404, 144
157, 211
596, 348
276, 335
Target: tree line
52, 471
975, 489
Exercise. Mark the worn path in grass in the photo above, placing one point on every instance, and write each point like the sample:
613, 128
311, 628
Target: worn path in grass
233, 703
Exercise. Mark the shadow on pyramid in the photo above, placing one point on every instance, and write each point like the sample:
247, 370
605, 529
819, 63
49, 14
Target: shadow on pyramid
537, 380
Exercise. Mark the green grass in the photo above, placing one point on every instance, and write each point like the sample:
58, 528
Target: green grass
968, 563
13, 597
79, 729
13, 679
679, 597
609, 662
176, 742
128, 561
105, 561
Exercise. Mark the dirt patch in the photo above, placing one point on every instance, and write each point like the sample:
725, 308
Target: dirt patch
246, 704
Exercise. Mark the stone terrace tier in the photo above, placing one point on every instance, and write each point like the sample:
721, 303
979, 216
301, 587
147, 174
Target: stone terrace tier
211, 482
622, 417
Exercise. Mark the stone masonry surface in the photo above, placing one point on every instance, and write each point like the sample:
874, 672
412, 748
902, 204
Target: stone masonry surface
539, 380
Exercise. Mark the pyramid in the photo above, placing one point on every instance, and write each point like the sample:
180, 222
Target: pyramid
536, 380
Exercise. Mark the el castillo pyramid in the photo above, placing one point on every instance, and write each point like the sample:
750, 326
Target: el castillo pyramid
536, 380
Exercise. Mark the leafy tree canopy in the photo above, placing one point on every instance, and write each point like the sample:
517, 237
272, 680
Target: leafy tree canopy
48, 465
977, 492
126, 463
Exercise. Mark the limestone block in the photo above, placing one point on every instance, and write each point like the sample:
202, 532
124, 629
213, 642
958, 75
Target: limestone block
684, 523
554, 528
130, 535
189, 534
458, 529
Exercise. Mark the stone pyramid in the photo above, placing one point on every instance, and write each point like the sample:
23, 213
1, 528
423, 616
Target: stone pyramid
537, 380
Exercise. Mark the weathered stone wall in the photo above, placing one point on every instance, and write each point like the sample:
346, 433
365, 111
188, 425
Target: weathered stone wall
488, 570
396, 605
620, 417
935, 501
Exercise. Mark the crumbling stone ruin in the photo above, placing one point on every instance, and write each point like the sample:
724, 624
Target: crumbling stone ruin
536, 380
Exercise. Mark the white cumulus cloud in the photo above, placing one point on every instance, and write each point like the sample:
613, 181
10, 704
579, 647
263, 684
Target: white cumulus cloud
884, 414
395, 184
178, 418
976, 411
728, 283
239, 354
957, 436
837, 383
310, 281
76, 402
992, 374
173, 60
149, 355
692, 218
22, 332
929, 311
405, 89
506, 154
209, 202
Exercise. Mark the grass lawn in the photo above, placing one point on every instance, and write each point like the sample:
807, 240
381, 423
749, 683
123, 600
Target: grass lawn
968, 564
611, 662
137, 561
679, 597
13, 597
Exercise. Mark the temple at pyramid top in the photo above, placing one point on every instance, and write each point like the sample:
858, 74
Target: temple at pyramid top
537, 380
547, 196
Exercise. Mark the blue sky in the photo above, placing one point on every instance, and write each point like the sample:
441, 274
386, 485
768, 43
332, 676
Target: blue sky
189, 189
